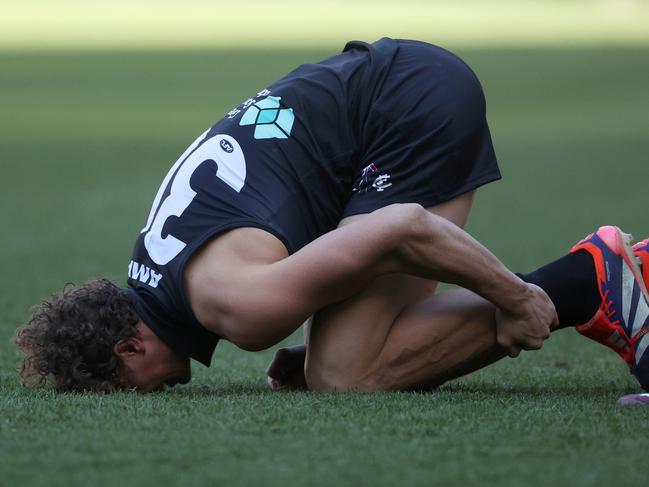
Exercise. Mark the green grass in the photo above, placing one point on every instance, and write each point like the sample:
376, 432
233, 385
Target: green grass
85, 139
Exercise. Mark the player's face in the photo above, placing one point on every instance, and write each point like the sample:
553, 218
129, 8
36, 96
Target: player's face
151, 364
159, 372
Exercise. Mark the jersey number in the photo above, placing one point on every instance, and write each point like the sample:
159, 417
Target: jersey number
226, 153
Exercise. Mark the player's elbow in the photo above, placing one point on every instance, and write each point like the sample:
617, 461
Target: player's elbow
411, 225
248, 335
402, 222
259, 326
251, 344
410, 220
414, 233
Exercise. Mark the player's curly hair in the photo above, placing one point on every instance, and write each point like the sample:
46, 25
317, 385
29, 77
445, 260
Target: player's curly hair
69, 339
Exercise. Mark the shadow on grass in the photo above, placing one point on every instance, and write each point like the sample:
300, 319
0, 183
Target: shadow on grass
564, 390
229, 389
447, 391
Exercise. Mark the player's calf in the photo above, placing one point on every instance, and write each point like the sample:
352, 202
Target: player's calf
325, 375
429, 343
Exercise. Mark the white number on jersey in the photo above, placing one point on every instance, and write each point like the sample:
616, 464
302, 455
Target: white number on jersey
222, 149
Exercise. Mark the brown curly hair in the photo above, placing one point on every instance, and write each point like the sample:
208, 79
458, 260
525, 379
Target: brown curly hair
70, 338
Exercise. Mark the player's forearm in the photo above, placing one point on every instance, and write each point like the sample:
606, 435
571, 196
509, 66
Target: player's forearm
437, 249
269, 302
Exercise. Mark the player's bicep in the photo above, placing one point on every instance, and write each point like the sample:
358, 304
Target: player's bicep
278, 298
342, 262
282, 295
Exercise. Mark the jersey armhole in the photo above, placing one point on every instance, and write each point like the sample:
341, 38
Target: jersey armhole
206, 237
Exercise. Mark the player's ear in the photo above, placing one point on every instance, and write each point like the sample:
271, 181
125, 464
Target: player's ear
129, 347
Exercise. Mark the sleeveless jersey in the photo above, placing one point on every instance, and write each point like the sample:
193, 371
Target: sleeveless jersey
283, 161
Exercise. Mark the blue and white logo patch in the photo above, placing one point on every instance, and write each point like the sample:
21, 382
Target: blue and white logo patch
270, 121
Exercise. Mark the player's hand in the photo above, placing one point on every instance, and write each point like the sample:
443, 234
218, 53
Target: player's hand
527, 327
286, 371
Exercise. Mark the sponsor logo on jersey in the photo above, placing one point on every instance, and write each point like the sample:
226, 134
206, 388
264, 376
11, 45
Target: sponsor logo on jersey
246, 104
271, 121
226, 146
144, 274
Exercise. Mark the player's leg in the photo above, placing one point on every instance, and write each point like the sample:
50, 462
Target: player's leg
441, 338
434, 145
394, 327
363, 342
454, 333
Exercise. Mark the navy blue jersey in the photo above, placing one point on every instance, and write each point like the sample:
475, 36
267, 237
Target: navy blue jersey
301, 154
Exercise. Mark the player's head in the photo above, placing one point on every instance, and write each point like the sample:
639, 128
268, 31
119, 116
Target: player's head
90, 338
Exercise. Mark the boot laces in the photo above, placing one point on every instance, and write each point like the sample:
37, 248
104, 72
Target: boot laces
607, 308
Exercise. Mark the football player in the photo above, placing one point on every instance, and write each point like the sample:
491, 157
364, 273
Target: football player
338, 196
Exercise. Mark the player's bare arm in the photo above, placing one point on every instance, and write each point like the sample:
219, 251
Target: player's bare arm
255, 296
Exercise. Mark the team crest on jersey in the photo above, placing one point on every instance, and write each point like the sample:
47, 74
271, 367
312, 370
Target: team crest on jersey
371, 179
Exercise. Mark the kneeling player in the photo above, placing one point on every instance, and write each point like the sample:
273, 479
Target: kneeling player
338, 192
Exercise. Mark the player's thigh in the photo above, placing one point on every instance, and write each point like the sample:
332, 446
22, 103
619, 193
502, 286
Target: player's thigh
347, 337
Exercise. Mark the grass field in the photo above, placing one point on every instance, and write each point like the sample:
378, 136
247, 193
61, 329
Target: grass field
85, 138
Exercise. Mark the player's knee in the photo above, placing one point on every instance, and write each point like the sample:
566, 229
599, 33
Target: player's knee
322, 377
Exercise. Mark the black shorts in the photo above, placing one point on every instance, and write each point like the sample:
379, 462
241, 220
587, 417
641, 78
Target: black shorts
426, 134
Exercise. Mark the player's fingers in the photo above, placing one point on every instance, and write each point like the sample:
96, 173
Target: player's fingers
555, 321
505, 341
513, 351
533, 344
274, 383
278, 364
543, 333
